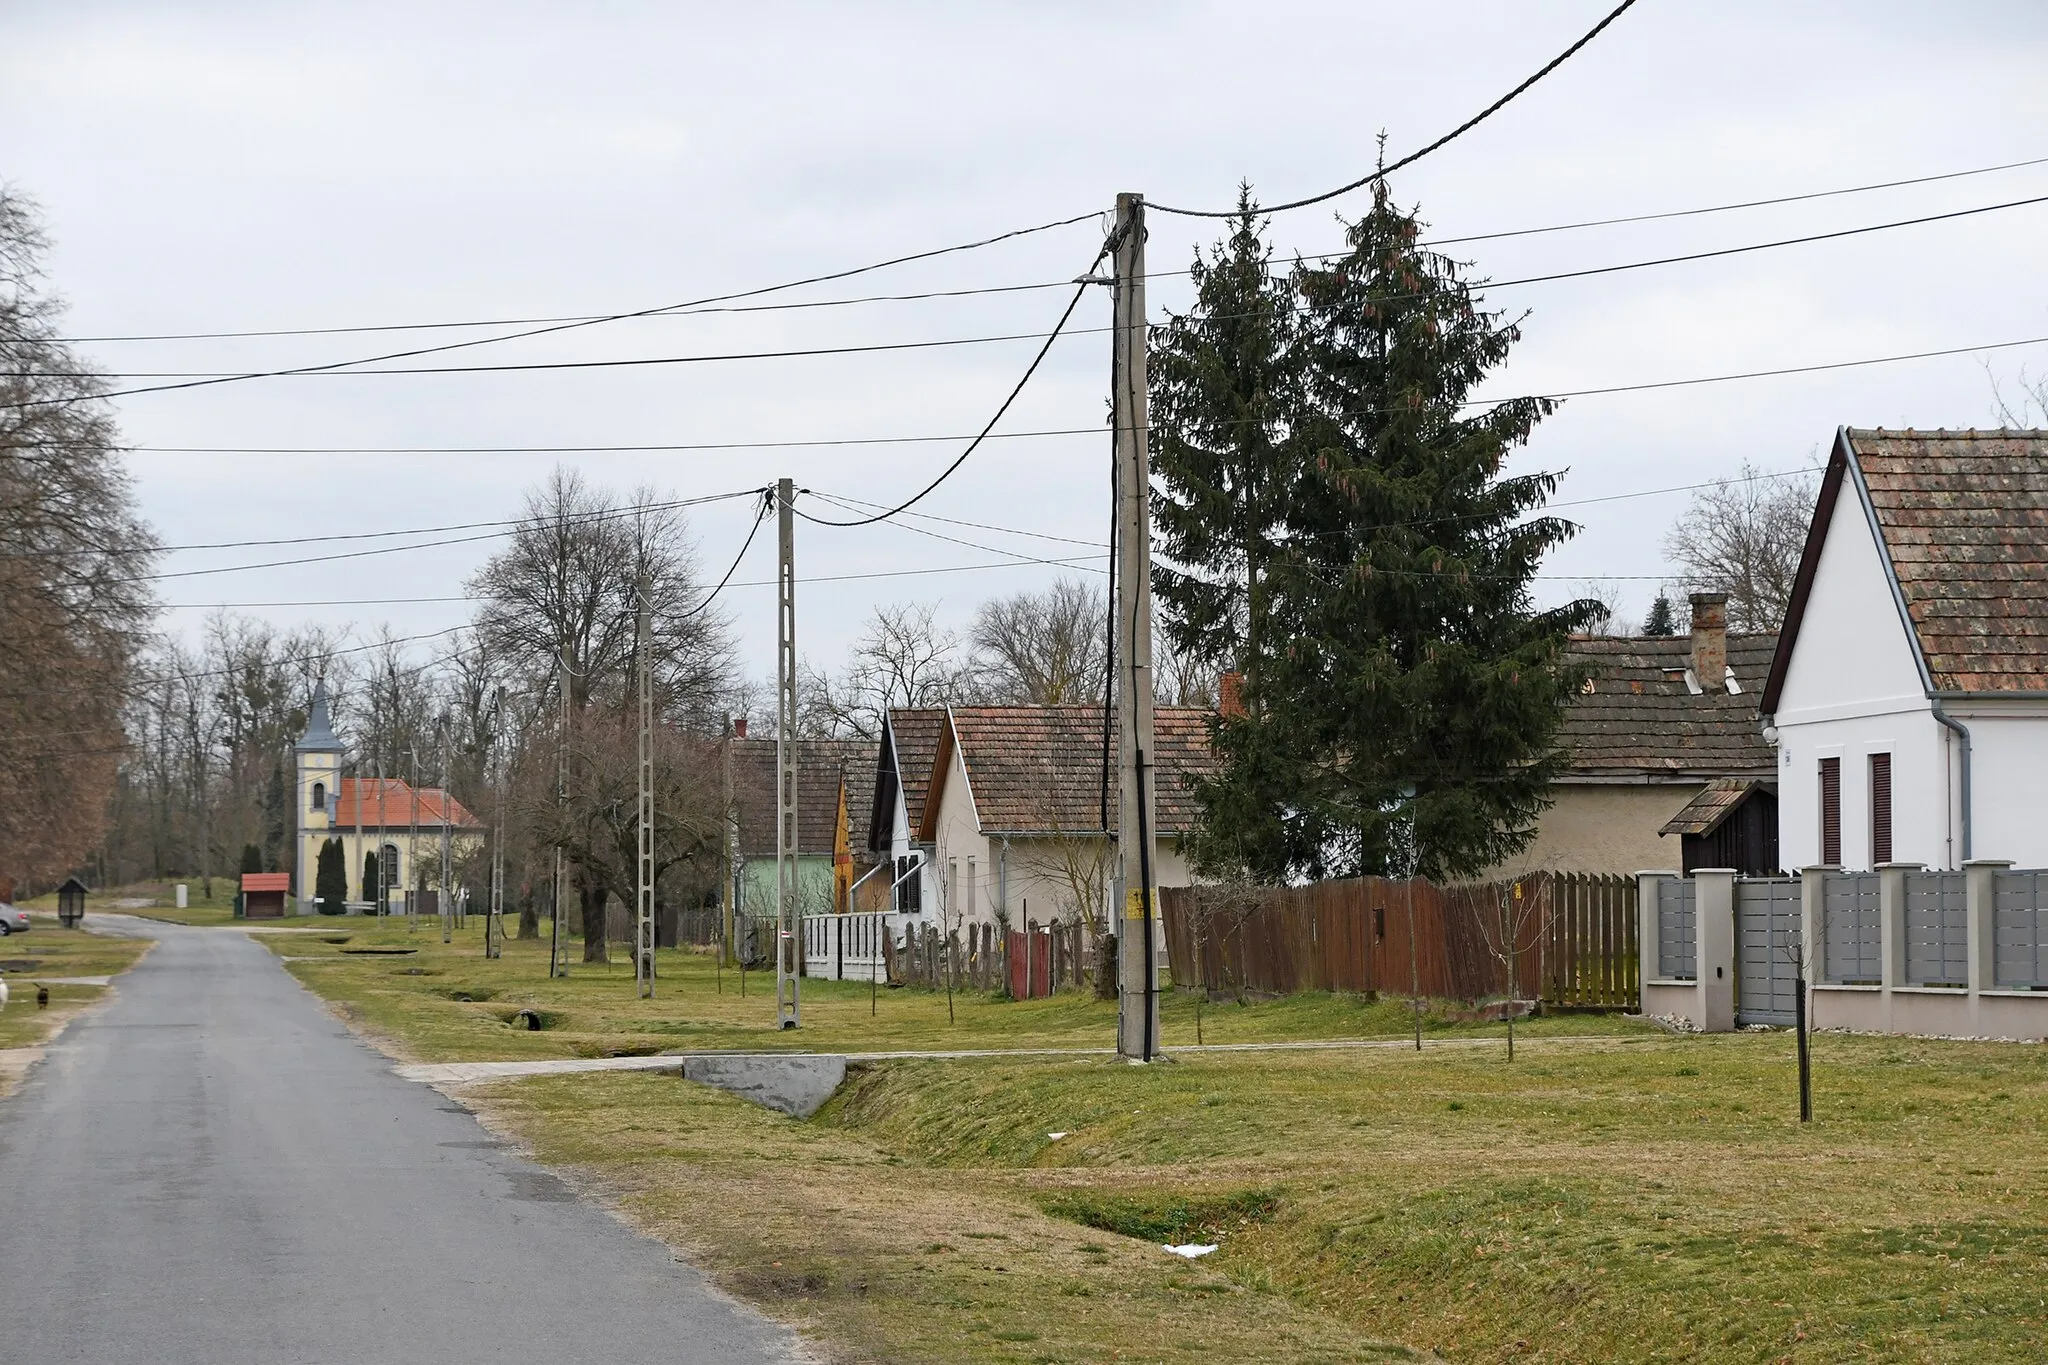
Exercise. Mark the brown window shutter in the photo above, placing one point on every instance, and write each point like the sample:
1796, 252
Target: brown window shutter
1831, 811
1880, 808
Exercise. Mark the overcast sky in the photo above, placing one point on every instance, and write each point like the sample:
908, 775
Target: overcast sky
222, 166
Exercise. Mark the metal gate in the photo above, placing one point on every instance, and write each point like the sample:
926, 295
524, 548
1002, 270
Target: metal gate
1767, 948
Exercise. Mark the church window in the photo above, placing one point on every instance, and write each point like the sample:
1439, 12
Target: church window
319, 801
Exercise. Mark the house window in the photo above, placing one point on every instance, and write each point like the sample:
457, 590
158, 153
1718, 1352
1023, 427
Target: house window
968, 905
1880, 809
319, 801
1831, 811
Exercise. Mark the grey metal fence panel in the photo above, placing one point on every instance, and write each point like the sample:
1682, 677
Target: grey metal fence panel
1852, 938
2020, 942
1767, 949
1677, 929
1937, 929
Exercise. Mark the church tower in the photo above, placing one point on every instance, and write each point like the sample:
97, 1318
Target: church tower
318, 792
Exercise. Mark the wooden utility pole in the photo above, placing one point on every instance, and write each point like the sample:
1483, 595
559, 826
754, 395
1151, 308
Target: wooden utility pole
643, 929
789, 926
1137, 1024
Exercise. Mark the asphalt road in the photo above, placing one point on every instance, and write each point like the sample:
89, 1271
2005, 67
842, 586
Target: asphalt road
212, 1169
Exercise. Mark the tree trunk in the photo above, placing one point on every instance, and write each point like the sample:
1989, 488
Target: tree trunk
529, 917
1105, 967
592, 904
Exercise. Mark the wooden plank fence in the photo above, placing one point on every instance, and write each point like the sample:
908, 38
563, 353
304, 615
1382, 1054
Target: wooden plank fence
1574, 939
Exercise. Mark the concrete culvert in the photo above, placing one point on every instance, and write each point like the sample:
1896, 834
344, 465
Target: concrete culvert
532, 1020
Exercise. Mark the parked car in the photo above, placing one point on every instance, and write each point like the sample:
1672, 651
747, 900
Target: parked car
13, 920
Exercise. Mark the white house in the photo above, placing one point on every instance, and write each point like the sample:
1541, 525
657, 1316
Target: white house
995, 812
1909, 691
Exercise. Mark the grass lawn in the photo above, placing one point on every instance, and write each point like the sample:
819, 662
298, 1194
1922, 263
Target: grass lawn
1614, 1194
1640, 1199
449, 1003
47, 951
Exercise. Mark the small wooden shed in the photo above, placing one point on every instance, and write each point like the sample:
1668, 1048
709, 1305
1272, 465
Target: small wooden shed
263, 894
71, 902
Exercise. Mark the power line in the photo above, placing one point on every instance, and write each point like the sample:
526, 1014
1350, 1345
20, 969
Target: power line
1080, 288
691, 311
634, 509
716, 357
1488, 112
569, 326
1048, 338
426, 544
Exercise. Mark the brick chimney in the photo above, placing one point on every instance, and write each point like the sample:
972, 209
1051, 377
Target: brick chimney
739, 727
1230, 695
1710, 639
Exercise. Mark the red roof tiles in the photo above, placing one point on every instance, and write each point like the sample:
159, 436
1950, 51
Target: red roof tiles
387, 803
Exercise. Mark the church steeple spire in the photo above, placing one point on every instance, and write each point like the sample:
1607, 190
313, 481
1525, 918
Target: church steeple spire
319, 737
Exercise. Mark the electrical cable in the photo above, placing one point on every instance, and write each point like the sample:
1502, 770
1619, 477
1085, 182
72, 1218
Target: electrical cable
1488, 112
628, 362
1029, 370
634, 509
569, 326
694, 311
1048, 338
760, 516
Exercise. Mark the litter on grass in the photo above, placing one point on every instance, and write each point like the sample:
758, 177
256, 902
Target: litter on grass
1055, 1136
1191, 1250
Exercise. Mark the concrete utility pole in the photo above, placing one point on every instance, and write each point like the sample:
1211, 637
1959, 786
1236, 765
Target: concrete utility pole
557, 966
418, 880
643, 931
728, 948
789, 925
445, 896
494, 914
1137, 1015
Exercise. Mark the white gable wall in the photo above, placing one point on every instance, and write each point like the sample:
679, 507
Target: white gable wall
1853, 688
2009, 778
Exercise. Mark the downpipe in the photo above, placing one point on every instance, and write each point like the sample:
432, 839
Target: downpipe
1962, 732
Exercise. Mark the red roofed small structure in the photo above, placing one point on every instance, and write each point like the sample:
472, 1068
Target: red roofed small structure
263, 894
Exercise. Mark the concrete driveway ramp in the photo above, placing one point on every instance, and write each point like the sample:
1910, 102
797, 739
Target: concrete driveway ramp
792, 1085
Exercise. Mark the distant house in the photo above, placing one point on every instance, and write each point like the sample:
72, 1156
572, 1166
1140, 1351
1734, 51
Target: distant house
825, 767
1669, 767
1909, 691
385, 816
996, 812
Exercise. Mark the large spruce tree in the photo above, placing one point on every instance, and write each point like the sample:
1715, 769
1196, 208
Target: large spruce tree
1408, 692
1223, 392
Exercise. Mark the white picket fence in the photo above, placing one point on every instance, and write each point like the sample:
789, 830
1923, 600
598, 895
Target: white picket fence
849, 947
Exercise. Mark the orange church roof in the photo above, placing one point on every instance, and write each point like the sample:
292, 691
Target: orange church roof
387, 803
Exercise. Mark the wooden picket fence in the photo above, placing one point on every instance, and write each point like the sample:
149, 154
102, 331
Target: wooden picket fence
1032, 963
1574, 939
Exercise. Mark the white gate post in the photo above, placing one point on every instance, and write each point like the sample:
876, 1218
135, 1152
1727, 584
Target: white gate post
1714, 927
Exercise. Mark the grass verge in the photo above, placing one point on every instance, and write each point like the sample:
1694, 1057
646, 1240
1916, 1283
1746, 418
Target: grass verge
49, 951
1642, 1199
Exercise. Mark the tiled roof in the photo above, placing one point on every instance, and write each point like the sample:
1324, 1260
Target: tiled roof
917, 738
1639, 719
819, 763
1964, 516
387, 804
1705, 812
1037, 769
266, 881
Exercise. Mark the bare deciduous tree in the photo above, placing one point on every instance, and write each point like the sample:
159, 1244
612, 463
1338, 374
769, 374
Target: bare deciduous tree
72, 548
2026, 405
1744, 537
903, 658
1043, 648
